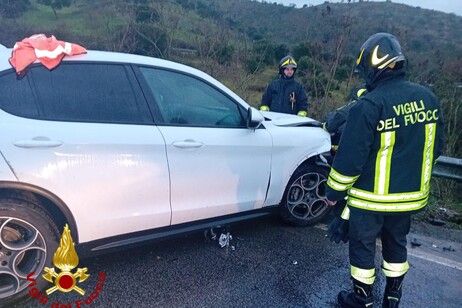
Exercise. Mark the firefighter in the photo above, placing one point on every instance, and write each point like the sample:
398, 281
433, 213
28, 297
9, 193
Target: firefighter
334, 122
285, 94
383, 165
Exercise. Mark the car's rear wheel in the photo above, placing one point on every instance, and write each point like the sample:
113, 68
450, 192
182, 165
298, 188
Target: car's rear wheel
304, 202
28, 240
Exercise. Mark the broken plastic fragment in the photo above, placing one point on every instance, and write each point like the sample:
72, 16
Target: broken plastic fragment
224, 239
436, 222
415, 242
220, 233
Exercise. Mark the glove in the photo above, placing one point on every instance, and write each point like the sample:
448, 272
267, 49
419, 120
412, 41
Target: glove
339, 226
338, 230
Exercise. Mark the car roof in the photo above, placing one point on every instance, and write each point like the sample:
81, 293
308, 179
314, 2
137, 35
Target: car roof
118, 57
106, 56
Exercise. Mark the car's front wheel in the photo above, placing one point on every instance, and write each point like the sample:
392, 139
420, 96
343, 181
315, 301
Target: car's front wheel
304, 202
28, 240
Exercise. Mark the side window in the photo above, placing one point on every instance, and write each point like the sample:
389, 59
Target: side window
185, 100
16, 96
82, 92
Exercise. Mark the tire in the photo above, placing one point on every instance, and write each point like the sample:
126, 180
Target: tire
304, 202
28, 240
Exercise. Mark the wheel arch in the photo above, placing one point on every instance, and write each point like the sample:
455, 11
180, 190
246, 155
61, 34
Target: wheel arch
316, 160
49, 202
292, 214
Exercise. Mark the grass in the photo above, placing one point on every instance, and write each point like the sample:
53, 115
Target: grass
42, 17
76, 19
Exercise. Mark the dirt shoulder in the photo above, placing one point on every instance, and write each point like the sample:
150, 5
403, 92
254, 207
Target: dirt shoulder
437, 243
440, 232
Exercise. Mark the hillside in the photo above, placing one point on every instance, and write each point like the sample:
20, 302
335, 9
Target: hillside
419, 29
423, 32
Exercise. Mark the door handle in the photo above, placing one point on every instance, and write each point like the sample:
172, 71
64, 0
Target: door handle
187, 144
37, 142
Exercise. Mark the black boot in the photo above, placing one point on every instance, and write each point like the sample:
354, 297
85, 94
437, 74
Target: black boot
361, 297
393, 291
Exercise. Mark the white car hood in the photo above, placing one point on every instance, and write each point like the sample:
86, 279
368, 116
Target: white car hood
284, 119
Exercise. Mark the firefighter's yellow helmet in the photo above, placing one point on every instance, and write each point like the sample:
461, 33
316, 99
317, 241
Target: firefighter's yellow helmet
287, 61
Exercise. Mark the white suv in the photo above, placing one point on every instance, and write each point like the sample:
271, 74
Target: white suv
125, 148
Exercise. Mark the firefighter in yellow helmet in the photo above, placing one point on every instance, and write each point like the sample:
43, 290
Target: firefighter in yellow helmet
383, 165
285, 94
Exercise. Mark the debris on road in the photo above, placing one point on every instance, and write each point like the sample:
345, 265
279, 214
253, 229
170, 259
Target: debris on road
220, 234
436, 222
224, 239
448, 248
415, 242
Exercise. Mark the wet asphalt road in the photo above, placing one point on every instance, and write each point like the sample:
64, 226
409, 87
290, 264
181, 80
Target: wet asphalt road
268, 264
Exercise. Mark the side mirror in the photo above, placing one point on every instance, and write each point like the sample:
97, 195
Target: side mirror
254, 118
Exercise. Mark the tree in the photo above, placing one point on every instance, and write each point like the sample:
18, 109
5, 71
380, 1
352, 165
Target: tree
13, 8
56, 4
327, 73
280, 51
214, 46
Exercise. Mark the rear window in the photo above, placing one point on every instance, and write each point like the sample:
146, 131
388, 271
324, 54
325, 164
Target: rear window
78, 92
16, 96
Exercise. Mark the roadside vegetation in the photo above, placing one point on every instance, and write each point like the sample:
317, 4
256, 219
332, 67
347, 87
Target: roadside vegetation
239, 42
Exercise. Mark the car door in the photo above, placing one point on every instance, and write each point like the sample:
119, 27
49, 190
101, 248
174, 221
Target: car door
217, 165
84, 133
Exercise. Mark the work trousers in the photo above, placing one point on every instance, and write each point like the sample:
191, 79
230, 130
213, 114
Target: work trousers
364, 229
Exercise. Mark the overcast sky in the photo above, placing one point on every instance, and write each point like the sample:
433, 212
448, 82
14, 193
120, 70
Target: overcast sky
447, 6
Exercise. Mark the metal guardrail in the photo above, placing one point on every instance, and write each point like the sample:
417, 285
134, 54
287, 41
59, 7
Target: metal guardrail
448, 167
